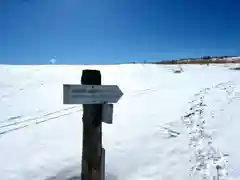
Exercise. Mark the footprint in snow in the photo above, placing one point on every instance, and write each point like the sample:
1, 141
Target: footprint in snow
14, 118
4, 95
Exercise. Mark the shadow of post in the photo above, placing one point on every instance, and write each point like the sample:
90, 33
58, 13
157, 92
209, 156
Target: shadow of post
73, 173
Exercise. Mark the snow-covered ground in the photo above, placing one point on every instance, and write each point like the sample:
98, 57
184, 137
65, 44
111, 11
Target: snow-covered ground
167, 126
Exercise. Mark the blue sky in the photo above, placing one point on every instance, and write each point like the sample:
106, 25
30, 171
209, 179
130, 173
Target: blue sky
116, 31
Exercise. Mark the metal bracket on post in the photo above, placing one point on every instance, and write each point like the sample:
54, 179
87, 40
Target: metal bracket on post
103, 163
107, 113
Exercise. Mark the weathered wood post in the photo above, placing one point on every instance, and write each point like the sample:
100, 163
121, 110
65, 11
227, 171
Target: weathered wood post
92, 132
96, 109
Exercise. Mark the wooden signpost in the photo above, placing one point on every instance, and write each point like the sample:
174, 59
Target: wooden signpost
95, 98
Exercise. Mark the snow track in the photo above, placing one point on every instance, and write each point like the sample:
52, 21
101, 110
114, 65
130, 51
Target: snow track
18, 122
207, 159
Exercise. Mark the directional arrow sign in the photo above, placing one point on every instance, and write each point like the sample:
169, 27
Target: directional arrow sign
91, 94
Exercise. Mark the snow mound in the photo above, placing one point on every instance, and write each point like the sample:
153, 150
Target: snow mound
166, 126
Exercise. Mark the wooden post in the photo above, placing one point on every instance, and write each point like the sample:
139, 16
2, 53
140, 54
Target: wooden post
92, 132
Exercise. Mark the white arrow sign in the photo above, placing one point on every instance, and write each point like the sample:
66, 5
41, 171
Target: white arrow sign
91, 94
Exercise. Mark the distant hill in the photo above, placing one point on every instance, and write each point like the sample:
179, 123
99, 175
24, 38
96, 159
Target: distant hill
203, 60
